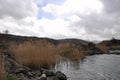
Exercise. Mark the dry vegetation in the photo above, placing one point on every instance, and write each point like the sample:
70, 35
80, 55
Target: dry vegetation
42, 53
2, 69
35, 54
105, 48
70, 51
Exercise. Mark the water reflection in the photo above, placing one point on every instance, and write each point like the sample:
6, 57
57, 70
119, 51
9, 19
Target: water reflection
97, 67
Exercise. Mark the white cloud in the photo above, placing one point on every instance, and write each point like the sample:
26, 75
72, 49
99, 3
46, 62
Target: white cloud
17, 9
70, 7
84, 19
53, 27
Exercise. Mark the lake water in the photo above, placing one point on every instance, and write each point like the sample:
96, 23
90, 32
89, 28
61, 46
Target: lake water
97, 67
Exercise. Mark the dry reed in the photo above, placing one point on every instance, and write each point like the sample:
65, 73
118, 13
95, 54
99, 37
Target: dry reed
2, 69
36, 54
42, 53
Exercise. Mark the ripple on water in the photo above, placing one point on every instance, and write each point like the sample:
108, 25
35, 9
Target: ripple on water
97, 67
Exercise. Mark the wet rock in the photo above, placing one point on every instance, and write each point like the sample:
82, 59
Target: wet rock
52, 78
30, 74
43, 78
38, 73
13, 62
21, 70
43, 75
21, 76
60, 75
48, 73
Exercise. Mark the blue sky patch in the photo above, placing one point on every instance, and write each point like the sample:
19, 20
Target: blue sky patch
43, 14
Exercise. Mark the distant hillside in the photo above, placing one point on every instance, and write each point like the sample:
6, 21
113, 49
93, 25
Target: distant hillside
18, 39
83, 46
113, 44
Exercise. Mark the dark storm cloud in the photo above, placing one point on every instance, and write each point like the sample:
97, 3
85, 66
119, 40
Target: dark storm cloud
111, 6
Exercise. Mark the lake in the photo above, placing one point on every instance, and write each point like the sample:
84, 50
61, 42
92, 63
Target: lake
97, 67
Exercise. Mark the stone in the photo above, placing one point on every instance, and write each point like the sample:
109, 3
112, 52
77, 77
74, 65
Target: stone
48, 73
43, 75
52, 78
19, 70
30, 74
43, 78
60, 75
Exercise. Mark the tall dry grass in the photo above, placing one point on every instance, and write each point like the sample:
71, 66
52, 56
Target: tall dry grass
37, 54
76, 54
43, 54
2, 69
103, 47
70, 51
106, 48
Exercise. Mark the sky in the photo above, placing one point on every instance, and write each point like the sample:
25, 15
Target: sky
60, 19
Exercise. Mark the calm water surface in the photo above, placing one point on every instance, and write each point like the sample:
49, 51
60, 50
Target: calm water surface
97, 67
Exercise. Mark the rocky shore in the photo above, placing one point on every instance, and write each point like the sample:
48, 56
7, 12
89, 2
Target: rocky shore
66, 48
16, 71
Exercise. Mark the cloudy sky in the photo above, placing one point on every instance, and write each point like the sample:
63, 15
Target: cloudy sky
58, 19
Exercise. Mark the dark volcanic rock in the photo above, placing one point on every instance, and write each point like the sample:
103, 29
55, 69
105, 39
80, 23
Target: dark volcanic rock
48, 73
52, 78
43, 78
20, 70
60, 75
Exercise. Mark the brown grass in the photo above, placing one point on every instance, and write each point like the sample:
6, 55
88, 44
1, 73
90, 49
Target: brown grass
42, 53
35, 54
76, 54
105, 48
2, 69
70, 51
102, 47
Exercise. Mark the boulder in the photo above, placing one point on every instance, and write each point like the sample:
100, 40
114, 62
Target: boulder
43, 78
52, 78
19, 70
30, 74
60, 75
48, 73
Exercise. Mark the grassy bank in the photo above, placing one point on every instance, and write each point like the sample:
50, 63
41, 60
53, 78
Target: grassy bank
43, 54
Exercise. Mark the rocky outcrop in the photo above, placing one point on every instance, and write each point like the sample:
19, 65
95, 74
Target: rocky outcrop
21, 72
17, 71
